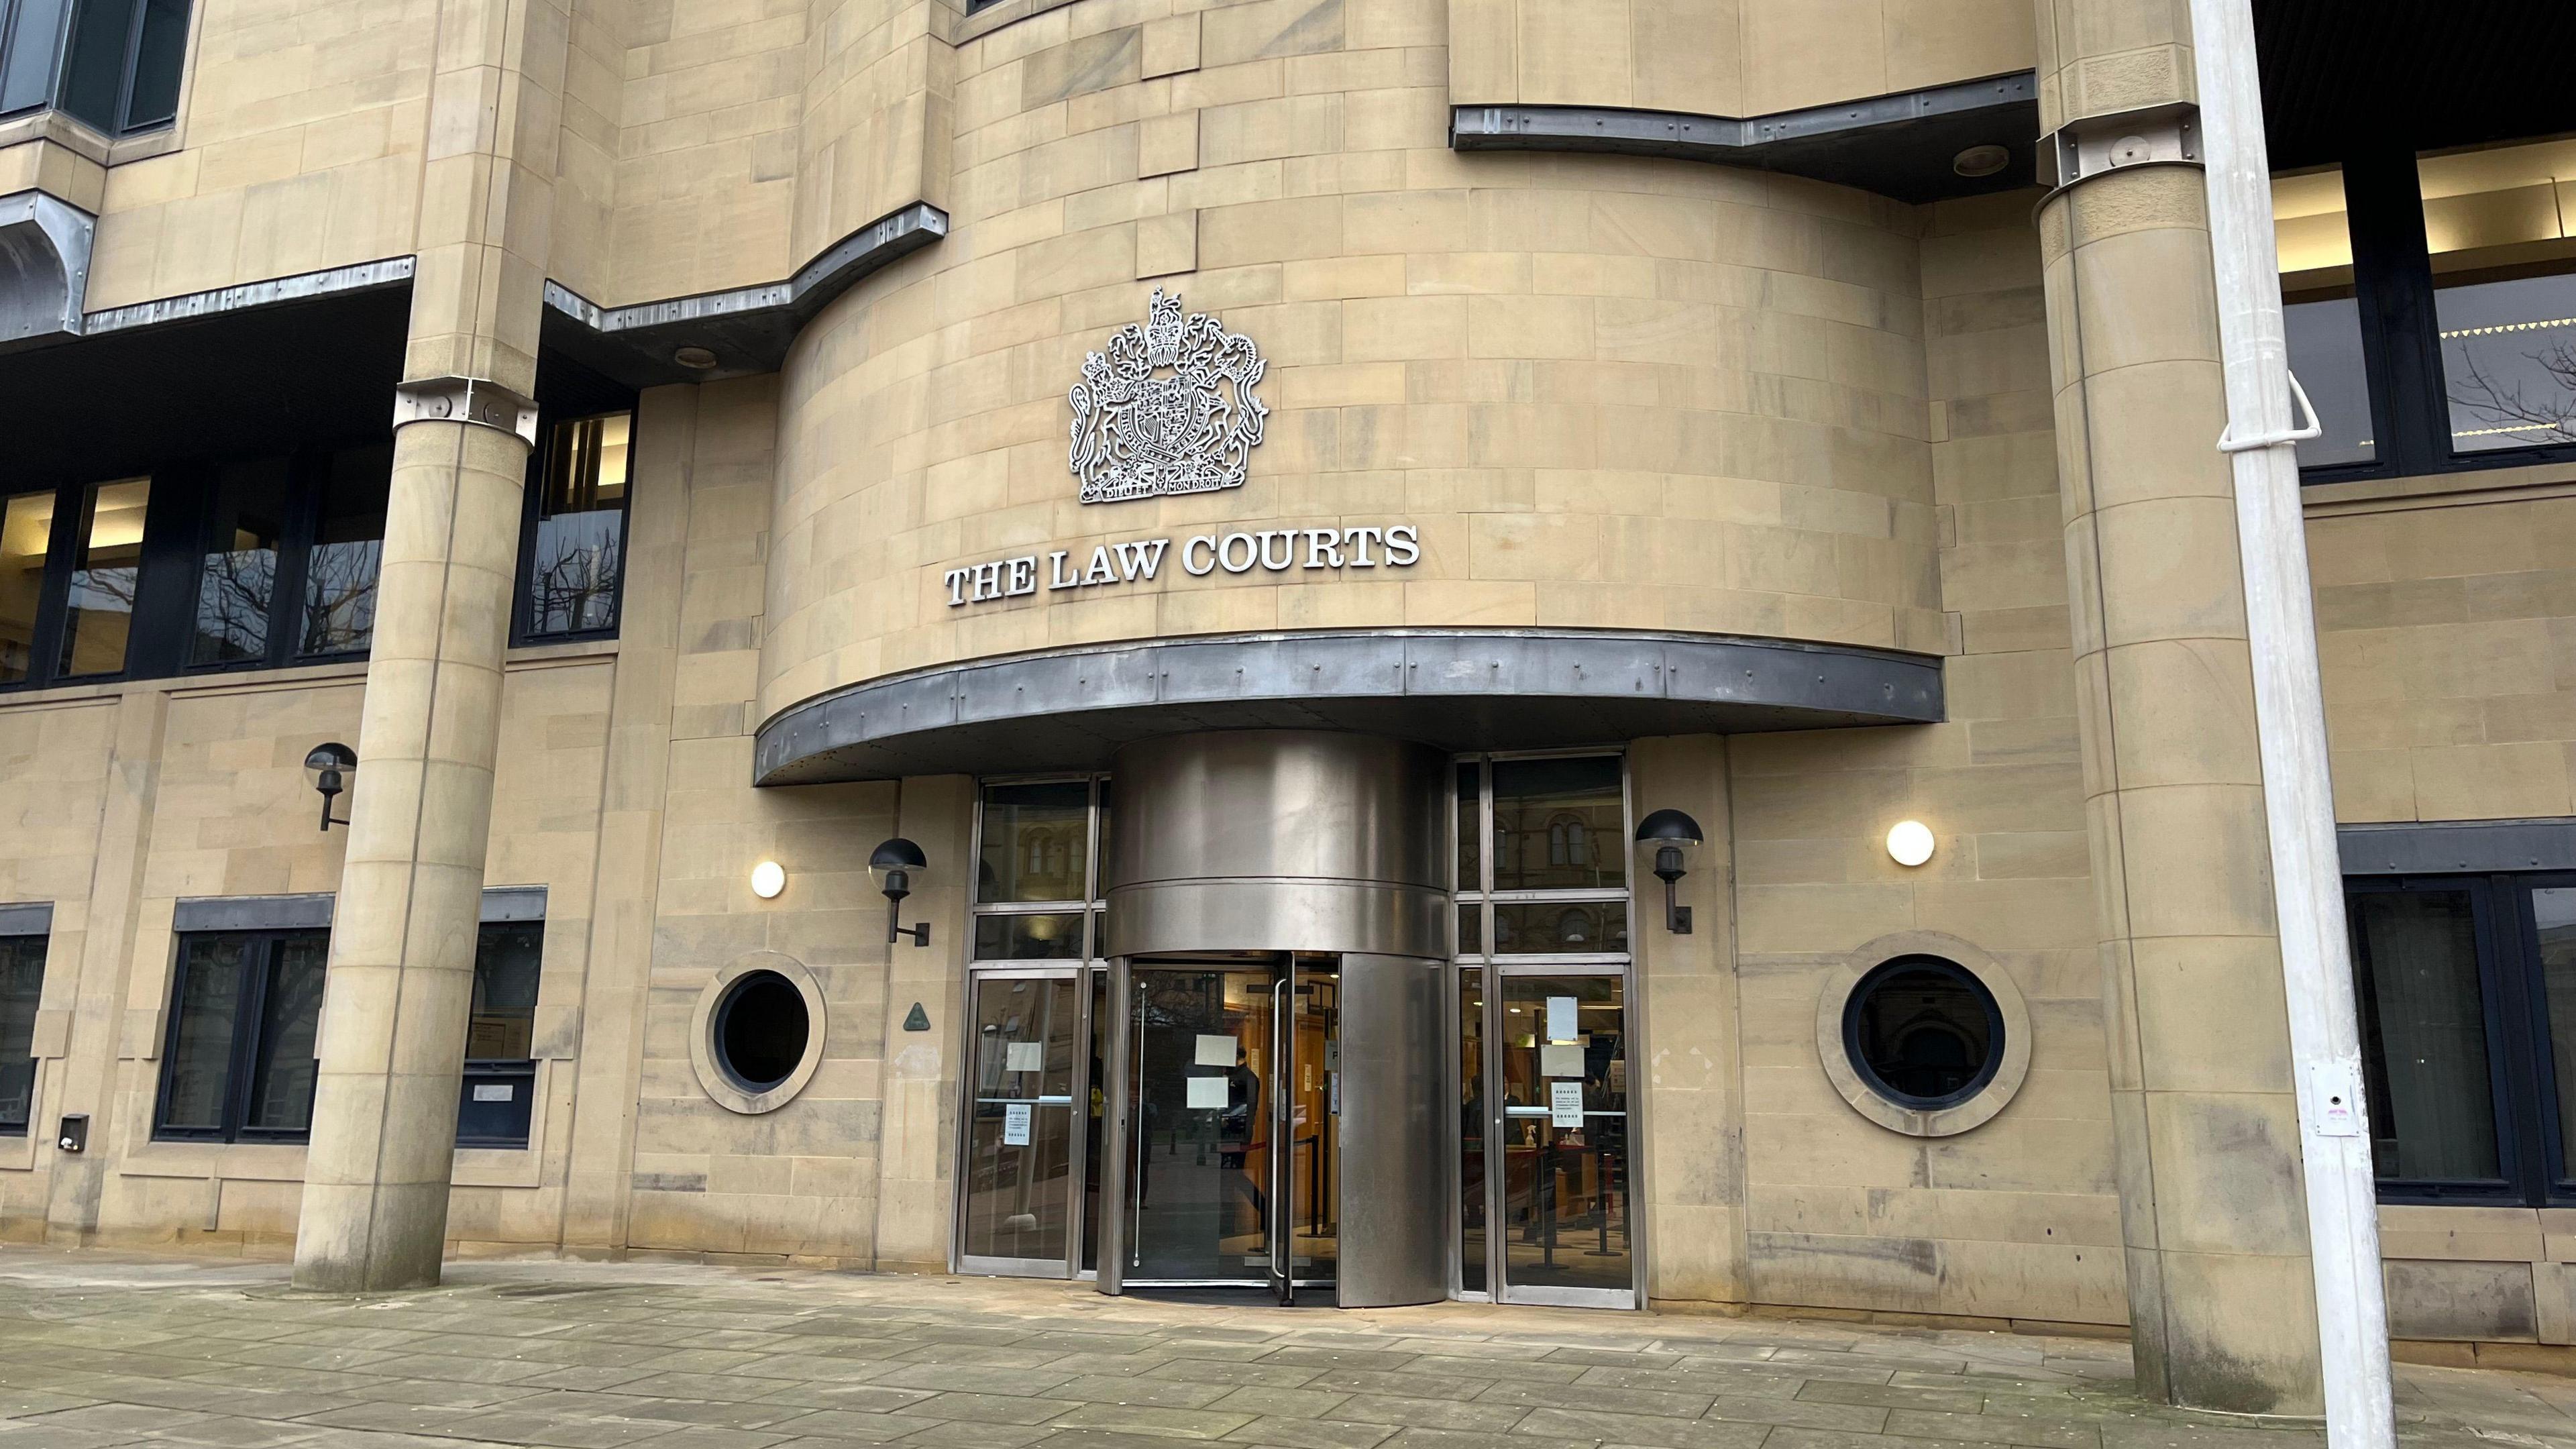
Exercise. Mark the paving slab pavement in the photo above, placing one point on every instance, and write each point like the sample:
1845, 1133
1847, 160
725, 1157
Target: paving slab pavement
101, 1349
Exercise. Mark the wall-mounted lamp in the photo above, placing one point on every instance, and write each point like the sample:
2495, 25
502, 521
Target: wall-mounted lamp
1909, 842
329, 768
767, 879
898, 859
1669, 831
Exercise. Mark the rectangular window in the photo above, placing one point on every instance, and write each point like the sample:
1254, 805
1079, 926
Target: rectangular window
497, 1099
120, 72
26, 537
1558, 825
2322, 314
237, 1063
2504, 293
2467, 995
1543, 856
348, 546
576, 557
107, 564
1038, 845
31, 33
2430, 306
2423, 1018
237, 581
22, 983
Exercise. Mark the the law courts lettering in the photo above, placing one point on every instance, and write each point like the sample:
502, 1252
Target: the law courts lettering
1272, 550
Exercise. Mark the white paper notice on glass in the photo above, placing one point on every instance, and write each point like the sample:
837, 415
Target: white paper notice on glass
1015, 1124
1214, 1051
1208, 1091
1565, 1104
1561, 1059
1560, 1018
1025, 1056
491, 1091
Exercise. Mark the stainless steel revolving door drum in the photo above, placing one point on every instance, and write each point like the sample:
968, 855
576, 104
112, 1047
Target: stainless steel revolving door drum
1310, 840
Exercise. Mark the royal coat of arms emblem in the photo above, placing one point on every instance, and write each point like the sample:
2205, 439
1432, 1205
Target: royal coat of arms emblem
1169, 408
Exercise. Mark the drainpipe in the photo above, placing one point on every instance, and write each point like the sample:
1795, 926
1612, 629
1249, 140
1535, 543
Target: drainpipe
2289, 715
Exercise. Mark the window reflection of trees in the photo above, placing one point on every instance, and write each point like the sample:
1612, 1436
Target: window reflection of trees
340, 596
233, 595
572, 579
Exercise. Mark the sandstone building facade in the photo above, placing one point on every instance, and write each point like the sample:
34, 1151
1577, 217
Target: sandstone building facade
1299, 537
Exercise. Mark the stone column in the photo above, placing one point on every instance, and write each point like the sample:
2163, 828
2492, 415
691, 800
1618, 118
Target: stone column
402, 940
2222, 1309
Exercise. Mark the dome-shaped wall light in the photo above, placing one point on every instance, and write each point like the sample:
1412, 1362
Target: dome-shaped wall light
1670, 832
767, 879
1909, 842
329, 767
894, 862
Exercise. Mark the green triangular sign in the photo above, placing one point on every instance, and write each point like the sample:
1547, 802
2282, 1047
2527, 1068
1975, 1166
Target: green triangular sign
919, 1020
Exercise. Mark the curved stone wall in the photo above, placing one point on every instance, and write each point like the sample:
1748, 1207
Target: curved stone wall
1603, 392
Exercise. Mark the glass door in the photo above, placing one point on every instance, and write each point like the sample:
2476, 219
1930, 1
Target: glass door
1562, 1225
1232, 1085
1310, 1122
1022, 1176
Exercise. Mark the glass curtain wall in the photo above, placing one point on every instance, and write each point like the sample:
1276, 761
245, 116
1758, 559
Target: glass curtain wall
1029, 1194
1543, 1041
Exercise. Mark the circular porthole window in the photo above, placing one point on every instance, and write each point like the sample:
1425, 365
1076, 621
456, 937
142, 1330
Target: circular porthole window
761, 1030
758, 1033
1923, 1034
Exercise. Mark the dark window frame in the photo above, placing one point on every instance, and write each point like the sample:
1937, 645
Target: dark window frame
150, 650
241, 1067
44, 964
67, 37
2521, 1070
309, 477
2392, 282
178, 529
519, 1073
523, 600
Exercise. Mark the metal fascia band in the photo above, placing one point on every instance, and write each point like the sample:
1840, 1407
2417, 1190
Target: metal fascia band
1801, 142
747, 328
359, 277
1461, 688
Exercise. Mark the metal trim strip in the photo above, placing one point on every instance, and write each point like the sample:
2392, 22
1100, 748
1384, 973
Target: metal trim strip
2457, 847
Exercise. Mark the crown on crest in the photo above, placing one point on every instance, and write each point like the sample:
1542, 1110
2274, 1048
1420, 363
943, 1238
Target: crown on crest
1163, 330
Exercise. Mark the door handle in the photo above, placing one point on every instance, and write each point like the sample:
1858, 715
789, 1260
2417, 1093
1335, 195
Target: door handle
1283, 1039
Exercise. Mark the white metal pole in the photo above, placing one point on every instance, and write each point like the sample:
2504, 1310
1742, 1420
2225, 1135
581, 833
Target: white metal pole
2289, 714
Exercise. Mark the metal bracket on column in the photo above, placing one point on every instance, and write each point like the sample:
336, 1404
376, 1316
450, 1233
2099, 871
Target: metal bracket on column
2165, 135
466, 400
